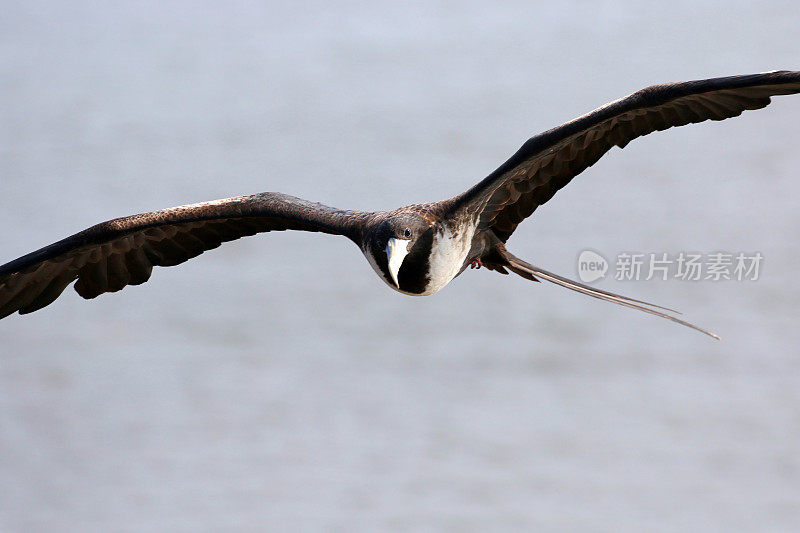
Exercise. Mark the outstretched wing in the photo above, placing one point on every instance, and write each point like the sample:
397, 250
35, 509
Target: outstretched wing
123, 251
548, 161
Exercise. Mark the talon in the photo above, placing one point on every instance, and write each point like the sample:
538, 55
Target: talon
476, 263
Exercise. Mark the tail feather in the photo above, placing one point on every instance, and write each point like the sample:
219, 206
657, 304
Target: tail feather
526, 270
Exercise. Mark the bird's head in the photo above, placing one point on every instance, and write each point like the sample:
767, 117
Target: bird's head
400, 248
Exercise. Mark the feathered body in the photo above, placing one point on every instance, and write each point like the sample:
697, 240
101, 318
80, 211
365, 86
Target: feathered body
416, 249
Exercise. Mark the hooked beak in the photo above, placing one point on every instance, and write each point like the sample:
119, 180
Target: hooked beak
396, 251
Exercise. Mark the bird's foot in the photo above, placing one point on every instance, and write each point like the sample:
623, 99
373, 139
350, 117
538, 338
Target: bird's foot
476, 263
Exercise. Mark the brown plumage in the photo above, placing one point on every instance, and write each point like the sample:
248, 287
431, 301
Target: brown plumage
437, 240
548, 161
109, 256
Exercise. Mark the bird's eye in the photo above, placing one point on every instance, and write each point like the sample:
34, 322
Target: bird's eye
407, 233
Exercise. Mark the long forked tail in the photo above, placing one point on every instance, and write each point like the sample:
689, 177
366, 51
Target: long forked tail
528, 271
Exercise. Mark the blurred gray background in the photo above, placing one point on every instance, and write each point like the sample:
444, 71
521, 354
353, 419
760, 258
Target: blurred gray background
276, 384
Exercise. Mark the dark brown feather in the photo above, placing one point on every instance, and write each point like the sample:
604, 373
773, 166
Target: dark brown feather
547, 162
109, 256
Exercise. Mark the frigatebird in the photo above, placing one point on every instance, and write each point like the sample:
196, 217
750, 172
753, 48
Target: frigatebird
416, 249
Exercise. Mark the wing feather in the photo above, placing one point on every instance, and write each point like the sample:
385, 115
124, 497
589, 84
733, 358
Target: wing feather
548, 161
121, 252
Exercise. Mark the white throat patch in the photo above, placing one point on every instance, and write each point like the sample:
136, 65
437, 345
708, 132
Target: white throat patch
449, 250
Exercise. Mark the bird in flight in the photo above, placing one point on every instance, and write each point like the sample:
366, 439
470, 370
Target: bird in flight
416, 249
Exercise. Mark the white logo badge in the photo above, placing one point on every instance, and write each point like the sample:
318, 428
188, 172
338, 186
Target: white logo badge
591, 266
